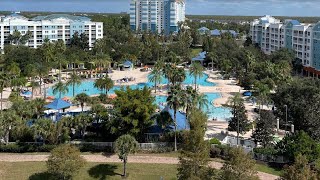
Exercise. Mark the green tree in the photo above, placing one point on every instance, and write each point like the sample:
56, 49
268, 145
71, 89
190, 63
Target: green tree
82, 98
133, 109
196, 70
9, 121
265, 128
124, 146
239, 166
42, 129
81, 122
60, 88
65, 161
300, 170
3, 84
239, 122
17, 38
175, 101
104, 84
299, 143
194, 156
73, 81
155, 76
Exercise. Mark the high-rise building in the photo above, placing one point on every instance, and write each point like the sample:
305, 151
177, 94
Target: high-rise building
53, 27
304, 39
161, 16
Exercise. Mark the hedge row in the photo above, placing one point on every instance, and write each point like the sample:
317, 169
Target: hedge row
24, 148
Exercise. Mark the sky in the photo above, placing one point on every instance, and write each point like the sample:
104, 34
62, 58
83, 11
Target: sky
194, 7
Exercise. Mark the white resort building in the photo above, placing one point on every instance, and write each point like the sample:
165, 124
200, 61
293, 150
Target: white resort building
53, 27
161, 16
304, 39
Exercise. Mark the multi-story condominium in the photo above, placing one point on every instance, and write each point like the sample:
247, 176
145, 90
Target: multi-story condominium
161, 16
304, 39
53, 27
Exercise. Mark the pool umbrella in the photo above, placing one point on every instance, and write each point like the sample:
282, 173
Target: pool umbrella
58, 104
247, 93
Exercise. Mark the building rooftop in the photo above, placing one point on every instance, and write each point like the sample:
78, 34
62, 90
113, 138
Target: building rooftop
61, 16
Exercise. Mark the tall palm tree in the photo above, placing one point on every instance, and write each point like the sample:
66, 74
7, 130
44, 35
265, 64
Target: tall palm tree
3, 83
38, 106
175, 101
197, 71
167, 72
82, 98
178, 75
81, 122
8, 121
42, 128
73, 81
189, 99
202, 101
60, 88
104, 84
155, 76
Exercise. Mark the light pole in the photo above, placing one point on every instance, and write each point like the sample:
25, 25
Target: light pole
285, 129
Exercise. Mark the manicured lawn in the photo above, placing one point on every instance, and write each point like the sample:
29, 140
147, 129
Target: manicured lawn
36, 171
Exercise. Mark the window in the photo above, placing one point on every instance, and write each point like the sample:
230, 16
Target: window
46, 32
53, 31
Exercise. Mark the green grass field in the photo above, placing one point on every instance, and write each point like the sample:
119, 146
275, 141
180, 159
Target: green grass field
37, 171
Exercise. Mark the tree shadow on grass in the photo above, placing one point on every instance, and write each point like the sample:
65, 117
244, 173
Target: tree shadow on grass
41, 176
102, 171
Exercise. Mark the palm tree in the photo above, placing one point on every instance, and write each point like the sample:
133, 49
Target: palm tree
175, 101
104, 84
82, 98
38, 106
155, 76
202, 101
197, 71
124, 146
3, 83
42, 128
189, 99
8, 121
60, 88
178, 75
81, 122
73, 81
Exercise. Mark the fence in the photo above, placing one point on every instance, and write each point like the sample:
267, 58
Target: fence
142, 146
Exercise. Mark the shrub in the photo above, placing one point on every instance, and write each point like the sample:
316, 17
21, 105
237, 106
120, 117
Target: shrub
65, 161
215, 141
215, 152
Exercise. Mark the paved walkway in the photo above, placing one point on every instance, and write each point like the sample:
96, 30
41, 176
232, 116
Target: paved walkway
115, 159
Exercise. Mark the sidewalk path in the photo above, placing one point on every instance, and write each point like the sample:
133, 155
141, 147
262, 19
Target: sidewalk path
115, 159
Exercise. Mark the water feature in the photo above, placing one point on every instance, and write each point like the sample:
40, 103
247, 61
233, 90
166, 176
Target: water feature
219, 113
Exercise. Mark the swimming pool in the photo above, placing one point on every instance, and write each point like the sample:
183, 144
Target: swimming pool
88, 86
219, 113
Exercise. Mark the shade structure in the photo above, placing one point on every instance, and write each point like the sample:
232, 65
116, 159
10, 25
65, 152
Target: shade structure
182, 122
58, 104
247, 93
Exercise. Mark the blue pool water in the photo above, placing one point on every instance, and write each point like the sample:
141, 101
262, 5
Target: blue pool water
213, 112
220, 113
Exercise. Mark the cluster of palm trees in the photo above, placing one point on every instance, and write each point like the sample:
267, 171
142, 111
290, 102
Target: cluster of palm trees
179, 97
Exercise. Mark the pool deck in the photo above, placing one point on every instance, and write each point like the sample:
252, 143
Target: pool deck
226, 88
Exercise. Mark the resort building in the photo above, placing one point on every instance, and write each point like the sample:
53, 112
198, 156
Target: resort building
216, 32
53, 27
161, 16
304, 39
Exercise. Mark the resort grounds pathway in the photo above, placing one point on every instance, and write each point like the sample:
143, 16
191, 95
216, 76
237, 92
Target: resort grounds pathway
99, 158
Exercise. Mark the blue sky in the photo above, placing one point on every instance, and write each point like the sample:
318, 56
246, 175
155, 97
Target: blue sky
202, 7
